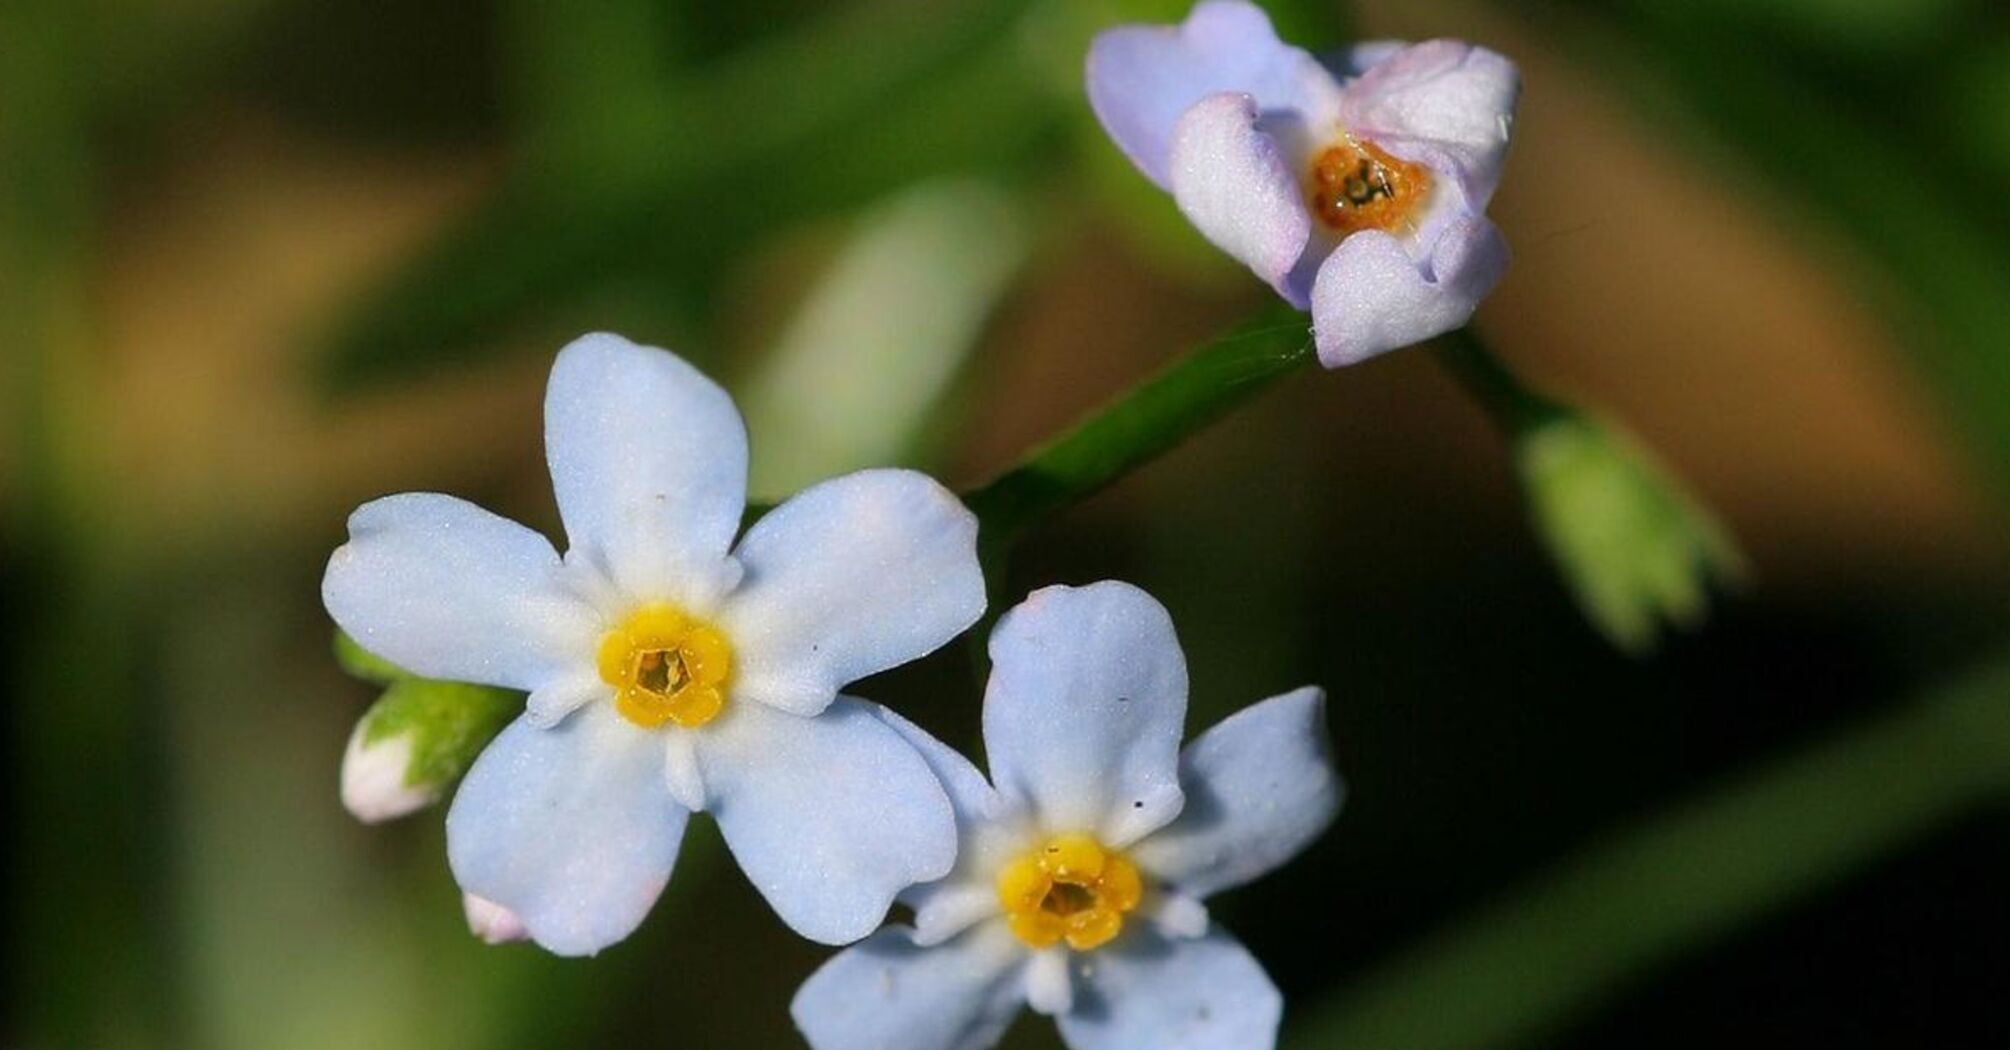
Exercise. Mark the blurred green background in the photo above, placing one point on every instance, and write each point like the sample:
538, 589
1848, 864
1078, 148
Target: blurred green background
261, 260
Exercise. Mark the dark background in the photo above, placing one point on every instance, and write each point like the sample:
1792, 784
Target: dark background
261, 260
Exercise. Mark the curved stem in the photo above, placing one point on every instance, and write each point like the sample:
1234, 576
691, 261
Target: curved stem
1144, 423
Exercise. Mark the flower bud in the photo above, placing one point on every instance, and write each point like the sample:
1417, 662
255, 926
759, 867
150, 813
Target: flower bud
374, 786
417, 739
492, 922
1635, 548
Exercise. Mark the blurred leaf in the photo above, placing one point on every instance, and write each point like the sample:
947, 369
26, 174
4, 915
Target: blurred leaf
1856, 28
825, 119
1673, 882
856, 374
1975, 105
1833, 158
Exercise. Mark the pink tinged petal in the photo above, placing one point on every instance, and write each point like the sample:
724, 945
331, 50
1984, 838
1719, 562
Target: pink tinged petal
830, 816
848, 578
1141, 78
987, 836
1083, 713
445, 589
1202, 994
1442, 93
649, 464
888, 993
491, 922
1259, 787
1371, 296
1232, 182
569, 828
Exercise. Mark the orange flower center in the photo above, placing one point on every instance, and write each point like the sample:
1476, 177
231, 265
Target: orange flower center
1356, 185
666, 666
1069, 889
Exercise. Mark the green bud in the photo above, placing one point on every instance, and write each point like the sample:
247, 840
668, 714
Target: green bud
1636, 549
417, 739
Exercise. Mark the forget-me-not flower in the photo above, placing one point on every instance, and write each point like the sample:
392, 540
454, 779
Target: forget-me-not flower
1358, 190
668, 670
1085, 858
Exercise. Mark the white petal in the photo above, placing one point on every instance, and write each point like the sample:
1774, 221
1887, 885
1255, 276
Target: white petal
1259, 787
886, 993
1175, 913
443, 588
829, 816
1371, 296
373, 778
1083, 712
1147, 991
1050, 988
570, 828
987, 830
681, 772
1234, 184
850, 577
649, 464
1142, 77
551, 702
1445, 93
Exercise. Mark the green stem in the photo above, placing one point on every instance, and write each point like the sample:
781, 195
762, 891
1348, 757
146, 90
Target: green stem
1513, 404
1144, 423
1700, 871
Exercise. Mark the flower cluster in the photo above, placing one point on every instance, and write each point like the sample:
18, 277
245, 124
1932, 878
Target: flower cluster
667, 664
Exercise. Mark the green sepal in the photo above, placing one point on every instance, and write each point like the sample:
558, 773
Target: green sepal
448, 723
1635, 548
364, 664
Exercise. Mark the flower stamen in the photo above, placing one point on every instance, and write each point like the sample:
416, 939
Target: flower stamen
1356, 185
1070, 889
666, 666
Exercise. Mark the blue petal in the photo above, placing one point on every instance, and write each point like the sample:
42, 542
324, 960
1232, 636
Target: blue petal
989, 832
649, 464
887, 993
850, 577
1259, 787
830, 817
1147, 991
1142, 77
1372, 295
446, 589
571, 828
1083, 714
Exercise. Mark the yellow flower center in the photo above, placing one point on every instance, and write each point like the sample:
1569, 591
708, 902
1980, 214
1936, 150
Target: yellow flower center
1357, 185
666, 666
1069, 889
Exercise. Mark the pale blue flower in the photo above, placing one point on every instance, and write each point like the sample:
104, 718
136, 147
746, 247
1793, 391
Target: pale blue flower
1359, 191
1085, 858
669, 671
